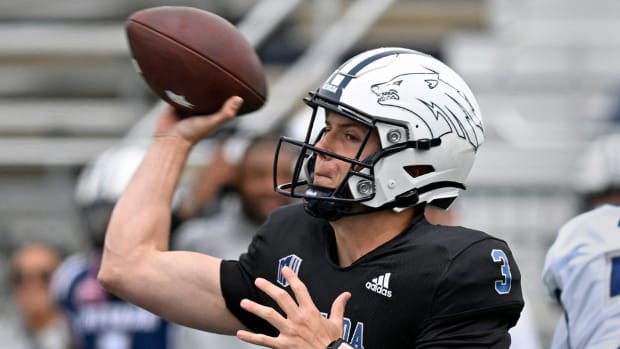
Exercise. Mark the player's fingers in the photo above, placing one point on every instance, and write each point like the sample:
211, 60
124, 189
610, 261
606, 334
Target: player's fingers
168, 111
337, 310
196, 127
267, 313
284, 300
231, 106
299, 288
228, 111
257, 338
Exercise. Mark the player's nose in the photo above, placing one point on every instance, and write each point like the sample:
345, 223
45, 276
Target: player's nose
325, 143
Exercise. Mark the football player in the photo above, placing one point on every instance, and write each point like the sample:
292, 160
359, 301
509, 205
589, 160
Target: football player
98, 319
582, 267
355, 265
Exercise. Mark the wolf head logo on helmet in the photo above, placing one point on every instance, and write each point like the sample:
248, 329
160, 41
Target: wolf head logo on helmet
429, 128
450, 109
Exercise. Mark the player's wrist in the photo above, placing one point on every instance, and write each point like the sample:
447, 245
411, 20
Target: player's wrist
339, 344
171, 145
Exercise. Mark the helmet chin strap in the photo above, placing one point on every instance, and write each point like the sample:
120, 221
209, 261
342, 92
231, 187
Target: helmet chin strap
330, 210
334, 210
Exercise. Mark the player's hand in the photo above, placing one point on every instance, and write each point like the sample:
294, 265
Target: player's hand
194, 128
303, 327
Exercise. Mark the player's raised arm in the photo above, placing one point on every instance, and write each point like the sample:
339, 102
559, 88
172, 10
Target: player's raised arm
137, 265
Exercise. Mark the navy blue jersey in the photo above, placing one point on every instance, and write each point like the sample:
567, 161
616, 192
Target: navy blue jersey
429, 287
98, 319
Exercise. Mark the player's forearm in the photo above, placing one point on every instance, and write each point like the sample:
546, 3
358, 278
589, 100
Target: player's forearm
141, 220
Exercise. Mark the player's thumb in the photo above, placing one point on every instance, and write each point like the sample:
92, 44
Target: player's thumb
231, 106
201, 126
337, 310
229, 109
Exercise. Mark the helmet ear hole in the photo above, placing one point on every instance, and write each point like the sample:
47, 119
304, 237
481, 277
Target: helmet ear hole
418, 170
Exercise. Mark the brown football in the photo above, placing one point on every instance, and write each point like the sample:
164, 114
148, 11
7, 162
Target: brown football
194, 59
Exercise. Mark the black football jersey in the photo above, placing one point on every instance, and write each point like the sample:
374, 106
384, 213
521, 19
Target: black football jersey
429, 287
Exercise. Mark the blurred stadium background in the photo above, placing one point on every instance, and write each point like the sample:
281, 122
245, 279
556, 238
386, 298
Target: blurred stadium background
546, 74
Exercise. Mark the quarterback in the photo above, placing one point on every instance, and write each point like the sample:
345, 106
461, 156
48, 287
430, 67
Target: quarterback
355, 264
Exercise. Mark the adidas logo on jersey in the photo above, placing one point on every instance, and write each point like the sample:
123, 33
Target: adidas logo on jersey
380, 285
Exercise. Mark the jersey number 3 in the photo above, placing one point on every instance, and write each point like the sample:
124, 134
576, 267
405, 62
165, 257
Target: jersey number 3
502, 286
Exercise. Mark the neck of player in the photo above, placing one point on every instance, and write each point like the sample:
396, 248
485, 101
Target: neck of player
360, 234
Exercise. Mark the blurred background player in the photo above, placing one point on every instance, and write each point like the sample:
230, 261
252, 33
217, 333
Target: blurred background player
98, 319
245, 197
582, 267
41, 325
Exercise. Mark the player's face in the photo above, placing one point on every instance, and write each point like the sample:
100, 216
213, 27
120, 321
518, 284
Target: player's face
32, 269
256, 180
344, 137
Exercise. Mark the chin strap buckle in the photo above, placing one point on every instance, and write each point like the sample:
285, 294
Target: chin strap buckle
407, 199
426, 144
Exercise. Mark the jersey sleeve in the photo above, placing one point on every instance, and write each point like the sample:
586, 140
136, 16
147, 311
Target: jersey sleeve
561, 256
478, 299
237, 283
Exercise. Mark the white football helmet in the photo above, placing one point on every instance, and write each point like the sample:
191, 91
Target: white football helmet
429, 126
102, 182
598, 175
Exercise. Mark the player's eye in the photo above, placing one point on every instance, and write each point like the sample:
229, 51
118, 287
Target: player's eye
351, 137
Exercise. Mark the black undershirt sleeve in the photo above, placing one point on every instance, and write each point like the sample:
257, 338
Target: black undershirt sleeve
236, 285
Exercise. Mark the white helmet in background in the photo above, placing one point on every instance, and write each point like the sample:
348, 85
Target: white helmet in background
598, 176
101, 183
105, 177
429, 126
